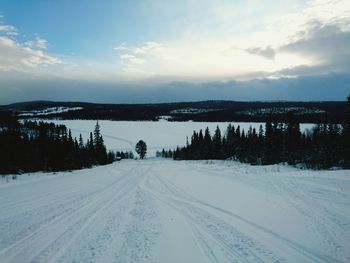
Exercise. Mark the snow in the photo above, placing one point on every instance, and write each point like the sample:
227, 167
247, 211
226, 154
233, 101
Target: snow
123, 135
48, 111
191, 111
159, 210
282, 110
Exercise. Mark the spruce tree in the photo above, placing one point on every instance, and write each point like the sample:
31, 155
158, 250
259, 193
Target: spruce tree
346, 137
217, 150
141, 148
292, 139
207, 148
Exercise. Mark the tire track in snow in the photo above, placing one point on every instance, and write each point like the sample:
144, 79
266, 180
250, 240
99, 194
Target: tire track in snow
206, 249
233, 243
24, 222
98, 239
29, 202
27, 248
141, 226
322, 223
182, 199
117, 196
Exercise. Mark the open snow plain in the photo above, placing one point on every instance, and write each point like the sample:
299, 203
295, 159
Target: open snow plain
177, 211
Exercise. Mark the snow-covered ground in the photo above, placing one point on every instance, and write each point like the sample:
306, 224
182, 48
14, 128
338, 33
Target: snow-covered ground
170, 211
48, 111
123, 135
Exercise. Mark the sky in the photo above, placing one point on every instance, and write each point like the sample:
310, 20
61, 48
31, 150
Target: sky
139, 51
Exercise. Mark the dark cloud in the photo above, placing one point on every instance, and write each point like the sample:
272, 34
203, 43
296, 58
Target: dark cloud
327, 87
328, 46
266, 52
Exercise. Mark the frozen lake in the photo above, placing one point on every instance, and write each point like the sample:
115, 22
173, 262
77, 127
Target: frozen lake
123, 135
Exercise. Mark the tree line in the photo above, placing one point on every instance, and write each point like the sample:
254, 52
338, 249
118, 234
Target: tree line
326, 145
31, 146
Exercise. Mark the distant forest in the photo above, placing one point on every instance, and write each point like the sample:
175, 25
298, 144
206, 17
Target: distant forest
29, 146
325, 146
307, 112
38, 146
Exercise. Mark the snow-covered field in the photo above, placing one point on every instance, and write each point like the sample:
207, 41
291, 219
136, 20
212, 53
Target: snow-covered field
48, 111
123, 135
171, 211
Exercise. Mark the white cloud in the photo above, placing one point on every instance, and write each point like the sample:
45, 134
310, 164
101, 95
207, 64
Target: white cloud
137, 61
9, 30
29, 44
218, 42
41, 43
23, 57
148, 47
126, 56
121, 46
206, 60
267, 50
131, 59
19, 57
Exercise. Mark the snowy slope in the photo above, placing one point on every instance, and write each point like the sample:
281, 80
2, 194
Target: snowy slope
167, 211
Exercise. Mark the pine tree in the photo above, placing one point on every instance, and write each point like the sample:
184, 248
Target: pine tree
326, 145
292, 139
268, 156
81, 142
217, 150
97, 135
346, 137
207, 148
141, 148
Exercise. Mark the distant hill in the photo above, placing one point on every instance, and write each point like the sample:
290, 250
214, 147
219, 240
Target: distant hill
214, 110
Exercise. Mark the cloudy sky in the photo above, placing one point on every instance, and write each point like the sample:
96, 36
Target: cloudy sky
165, 50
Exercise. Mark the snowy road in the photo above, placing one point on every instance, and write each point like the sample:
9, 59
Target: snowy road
167, 211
